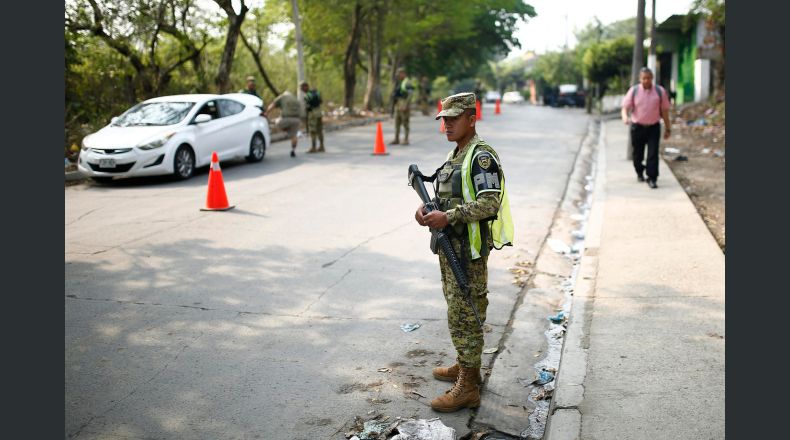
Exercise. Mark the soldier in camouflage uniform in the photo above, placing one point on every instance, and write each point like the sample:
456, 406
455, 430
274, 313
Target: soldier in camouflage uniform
401, 95
314, 122
457, 214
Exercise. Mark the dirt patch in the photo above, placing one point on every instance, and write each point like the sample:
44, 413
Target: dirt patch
698, 132
418, 353
356, 386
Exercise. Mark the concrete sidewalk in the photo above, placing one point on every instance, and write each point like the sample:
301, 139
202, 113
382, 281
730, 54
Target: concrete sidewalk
644, 351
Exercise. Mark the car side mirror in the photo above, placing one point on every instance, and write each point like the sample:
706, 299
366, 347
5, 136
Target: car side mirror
201, 118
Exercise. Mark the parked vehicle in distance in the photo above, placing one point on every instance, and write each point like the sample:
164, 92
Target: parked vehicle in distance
492, 96
513, 97
570, 95
175, 135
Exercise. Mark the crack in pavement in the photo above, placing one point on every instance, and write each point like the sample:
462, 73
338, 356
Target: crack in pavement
366, 241
247, 312
82, 216
137, 388
324, 292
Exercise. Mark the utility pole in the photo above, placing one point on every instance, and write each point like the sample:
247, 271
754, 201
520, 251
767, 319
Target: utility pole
300, 63
636, 64
651, 58
639, 42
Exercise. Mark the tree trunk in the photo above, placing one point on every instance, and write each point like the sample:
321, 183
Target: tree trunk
639, 42
222, 81
352, 58
256, 56
373, 98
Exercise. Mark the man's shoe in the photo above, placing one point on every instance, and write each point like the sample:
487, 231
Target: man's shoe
464, 394
395, 142
652, 183
293, 153
311, 150
640, 178
321, 149
451, 374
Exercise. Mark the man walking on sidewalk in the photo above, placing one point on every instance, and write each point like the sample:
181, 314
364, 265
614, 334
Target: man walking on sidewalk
648, 105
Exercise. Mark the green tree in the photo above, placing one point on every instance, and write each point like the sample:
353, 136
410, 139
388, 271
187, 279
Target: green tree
608, 64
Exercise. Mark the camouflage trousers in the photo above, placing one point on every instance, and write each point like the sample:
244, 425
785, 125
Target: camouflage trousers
402, 118
466, 335
315, 127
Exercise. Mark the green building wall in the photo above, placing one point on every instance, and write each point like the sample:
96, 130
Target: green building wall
687, 53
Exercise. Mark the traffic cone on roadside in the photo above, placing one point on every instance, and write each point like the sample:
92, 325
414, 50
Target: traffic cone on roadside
496, 108
439, 110
379, 149
479, 110
216, 199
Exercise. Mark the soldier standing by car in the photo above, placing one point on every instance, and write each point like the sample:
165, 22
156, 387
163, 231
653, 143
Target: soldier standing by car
250, 87
314, 122
289, 119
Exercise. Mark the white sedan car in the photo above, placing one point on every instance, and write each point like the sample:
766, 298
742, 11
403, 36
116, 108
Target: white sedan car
176, 134
512, 98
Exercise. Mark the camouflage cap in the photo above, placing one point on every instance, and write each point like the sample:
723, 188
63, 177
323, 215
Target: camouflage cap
303, 83
456, 104
251, 78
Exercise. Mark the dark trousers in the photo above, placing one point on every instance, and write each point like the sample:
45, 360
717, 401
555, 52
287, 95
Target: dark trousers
641, 135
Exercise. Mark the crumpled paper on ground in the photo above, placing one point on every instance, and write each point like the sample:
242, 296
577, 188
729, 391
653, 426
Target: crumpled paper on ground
422, 429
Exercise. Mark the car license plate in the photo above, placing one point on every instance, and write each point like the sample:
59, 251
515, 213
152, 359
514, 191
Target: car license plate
106, 163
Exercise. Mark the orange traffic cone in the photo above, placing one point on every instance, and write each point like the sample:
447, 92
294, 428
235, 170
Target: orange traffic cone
479, 110
216, 200
496, 108
439, 110
379, 149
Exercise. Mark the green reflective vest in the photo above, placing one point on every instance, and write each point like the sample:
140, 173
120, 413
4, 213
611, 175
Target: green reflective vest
502, 227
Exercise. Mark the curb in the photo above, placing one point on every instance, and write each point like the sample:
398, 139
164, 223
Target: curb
73, 176
564, 418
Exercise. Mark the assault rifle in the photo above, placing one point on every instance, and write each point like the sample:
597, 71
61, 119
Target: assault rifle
416, 179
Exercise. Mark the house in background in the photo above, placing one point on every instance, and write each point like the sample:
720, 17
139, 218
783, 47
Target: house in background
688, 51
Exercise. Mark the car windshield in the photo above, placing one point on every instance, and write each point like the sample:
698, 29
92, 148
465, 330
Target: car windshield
154, 113
568, 88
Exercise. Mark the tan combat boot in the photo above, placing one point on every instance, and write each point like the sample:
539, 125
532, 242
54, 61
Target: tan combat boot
464, 394
451, 374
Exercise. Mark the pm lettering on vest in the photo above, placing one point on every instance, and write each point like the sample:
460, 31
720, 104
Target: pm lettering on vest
485, 173
486, 182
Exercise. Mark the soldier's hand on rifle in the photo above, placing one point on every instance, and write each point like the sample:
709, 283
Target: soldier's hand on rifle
419, 214
436, 220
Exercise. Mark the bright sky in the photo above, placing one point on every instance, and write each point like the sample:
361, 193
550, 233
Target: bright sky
547, 31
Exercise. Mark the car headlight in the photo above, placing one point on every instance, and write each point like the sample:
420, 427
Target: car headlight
156, 143
85, 147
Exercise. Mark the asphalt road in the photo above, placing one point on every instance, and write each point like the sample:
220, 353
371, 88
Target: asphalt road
272, 320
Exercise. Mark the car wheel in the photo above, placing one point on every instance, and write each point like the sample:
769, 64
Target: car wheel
257, 148
184, 163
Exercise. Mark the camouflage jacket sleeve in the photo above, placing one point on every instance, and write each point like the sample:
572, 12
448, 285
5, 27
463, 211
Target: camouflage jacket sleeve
487, 205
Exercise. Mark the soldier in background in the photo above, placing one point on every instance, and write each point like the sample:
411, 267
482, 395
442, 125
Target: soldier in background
425, 95
250, 87
401, 96
314, 122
